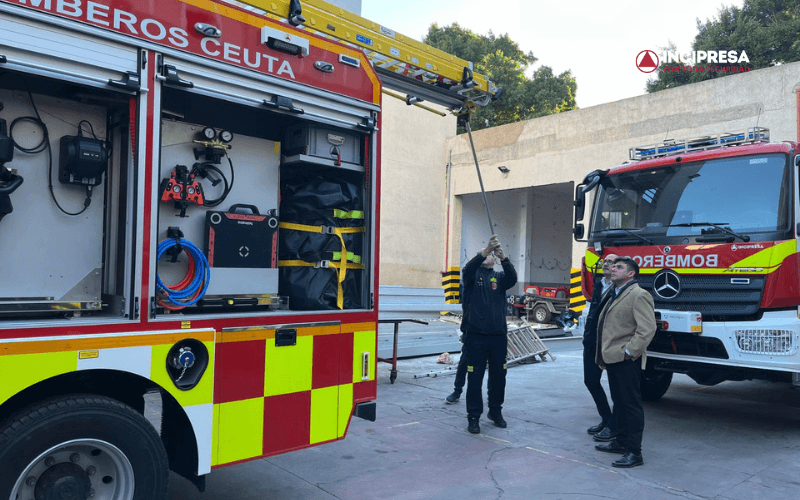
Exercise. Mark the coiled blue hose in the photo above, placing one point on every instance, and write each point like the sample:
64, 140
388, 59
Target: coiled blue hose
202, 273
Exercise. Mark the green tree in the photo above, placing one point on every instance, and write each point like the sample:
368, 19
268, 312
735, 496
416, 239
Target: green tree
765, 29
503, 62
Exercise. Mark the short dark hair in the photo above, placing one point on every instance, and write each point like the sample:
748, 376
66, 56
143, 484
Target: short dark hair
630, 264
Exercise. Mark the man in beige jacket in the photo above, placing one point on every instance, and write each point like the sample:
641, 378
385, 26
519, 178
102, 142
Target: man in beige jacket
624, 330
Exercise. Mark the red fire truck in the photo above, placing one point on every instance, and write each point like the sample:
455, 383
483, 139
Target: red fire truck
712, 223
189, 233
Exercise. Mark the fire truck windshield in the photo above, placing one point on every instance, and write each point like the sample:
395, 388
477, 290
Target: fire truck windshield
745, 194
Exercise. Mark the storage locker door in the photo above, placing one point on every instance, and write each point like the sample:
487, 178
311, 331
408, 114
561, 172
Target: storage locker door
253, 89
51, 50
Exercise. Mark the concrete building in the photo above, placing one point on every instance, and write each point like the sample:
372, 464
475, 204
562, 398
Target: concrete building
426, 229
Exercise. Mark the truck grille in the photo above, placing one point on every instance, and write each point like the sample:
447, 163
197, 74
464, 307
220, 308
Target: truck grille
711, 295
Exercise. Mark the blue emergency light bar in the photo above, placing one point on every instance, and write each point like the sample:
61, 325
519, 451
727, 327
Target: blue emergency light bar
677, 146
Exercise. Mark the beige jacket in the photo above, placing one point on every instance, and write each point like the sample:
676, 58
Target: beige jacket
628, 323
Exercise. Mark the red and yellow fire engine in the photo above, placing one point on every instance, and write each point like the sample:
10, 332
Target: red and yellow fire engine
189, 224
712, 223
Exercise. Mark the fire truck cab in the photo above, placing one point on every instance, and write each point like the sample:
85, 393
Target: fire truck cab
712, 223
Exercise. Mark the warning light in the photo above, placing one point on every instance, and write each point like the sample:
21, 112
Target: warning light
282, 46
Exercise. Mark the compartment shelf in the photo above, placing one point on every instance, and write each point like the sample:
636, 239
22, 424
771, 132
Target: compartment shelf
296, 160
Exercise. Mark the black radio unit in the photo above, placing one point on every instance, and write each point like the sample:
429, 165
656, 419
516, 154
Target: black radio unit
82, 161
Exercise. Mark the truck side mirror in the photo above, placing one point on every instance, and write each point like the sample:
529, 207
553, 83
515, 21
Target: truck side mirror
577, 232
580, 203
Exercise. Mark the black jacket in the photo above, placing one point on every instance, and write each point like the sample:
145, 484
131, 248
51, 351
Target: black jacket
484, 297
590, 327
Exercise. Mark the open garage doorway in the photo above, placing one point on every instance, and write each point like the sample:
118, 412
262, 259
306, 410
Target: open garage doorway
535, 226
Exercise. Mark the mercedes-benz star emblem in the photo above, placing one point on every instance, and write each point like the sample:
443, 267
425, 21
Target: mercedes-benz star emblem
667, 284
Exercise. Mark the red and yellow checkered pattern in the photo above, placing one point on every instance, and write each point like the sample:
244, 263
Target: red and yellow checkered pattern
270, 400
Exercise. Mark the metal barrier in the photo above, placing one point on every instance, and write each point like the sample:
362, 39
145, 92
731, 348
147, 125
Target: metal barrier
524, 343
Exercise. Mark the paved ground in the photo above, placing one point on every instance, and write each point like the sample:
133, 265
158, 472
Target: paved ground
737, 440
436, 336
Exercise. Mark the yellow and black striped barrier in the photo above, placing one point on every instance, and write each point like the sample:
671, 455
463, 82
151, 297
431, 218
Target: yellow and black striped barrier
577, 302
451, 282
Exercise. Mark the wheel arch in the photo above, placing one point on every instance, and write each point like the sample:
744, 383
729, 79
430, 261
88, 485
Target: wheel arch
177, 430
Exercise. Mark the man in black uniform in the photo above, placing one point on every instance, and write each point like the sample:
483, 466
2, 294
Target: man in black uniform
485, 329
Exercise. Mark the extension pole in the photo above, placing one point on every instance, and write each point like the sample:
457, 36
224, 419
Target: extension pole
480, 179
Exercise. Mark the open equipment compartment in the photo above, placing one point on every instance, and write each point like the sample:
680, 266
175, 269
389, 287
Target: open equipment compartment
218, 193
323, 229
222, 153
65, 196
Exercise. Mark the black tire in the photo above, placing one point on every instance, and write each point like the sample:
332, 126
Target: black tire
541, 314
655, 384
81, 442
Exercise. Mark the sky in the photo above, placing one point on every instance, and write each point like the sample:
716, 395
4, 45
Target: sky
597, 41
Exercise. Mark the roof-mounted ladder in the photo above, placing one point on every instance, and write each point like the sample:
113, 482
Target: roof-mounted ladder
405, 65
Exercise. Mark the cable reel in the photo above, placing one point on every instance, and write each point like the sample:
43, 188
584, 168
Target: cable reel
193, 286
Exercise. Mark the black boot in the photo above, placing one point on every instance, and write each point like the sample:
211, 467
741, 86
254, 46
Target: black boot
629, 460
453, 398
474, 427
497, 417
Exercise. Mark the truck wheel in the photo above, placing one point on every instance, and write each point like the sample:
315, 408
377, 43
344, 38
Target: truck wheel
541, 314
654, 384
82, 447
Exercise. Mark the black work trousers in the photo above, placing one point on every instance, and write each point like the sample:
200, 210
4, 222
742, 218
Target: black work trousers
461, 372
591, 379
479, 350
624, 380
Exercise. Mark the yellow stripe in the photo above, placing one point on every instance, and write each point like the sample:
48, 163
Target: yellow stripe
767, 261
259, 23
769, 257
357, 327
332, 264
100, 342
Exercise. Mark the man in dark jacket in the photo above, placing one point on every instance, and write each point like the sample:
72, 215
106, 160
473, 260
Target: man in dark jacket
485, 329
606, 430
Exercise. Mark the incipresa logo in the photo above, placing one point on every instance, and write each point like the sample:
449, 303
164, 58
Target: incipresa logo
698, 61
647, 61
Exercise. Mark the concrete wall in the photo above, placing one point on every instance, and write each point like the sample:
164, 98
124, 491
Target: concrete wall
413, 195
563, 148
